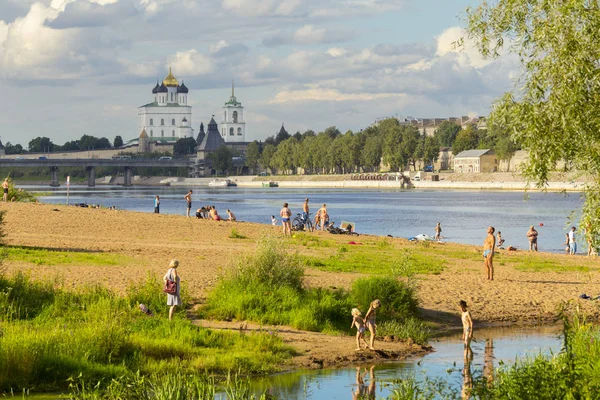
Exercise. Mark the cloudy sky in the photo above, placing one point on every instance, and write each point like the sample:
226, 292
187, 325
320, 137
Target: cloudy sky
74, 67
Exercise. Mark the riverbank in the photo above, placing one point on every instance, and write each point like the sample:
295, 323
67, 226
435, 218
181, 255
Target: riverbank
104, 244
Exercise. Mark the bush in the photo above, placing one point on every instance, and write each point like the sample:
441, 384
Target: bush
412, 328
398, 299
271, 265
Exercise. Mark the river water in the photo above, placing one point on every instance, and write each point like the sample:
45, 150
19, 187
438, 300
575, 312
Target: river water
491, 347
464, 215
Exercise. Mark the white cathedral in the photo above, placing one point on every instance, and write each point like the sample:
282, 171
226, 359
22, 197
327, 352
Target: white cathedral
169, 117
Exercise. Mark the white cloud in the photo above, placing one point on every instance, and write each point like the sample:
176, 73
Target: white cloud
318, 94
191, 62
256, 8
467, 54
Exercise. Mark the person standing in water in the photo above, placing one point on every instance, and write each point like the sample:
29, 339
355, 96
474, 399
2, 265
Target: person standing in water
438, 232
488, 253
467, 323
188, 200
157, 205
532, 235
5, 186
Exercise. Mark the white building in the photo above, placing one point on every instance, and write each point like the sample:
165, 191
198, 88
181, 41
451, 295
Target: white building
168, 117
233, 127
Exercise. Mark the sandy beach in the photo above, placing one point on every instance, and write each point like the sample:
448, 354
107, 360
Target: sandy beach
143, 243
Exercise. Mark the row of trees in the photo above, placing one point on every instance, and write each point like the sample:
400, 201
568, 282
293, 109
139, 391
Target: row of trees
399, 146
44, 144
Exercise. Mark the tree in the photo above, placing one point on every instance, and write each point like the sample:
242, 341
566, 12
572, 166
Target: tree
555, 113
40, 145
184, 146
446, 133
221, 159
267, 155
332, 132
281, 136
431, 150
465, 140
371, 156
10, 149
252, 155
118, 142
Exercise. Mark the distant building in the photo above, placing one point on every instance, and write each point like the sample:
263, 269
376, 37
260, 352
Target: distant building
168, 117
445, 159
233, 127
475, 161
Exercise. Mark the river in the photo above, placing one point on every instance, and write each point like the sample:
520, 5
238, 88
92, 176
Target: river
464, 215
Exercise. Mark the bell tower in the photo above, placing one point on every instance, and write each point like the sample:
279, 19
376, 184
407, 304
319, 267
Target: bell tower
233, 127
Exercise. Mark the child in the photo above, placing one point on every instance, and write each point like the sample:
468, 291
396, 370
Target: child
370, 321
499, 240
273, 220
231, 216
359, 323
467, 323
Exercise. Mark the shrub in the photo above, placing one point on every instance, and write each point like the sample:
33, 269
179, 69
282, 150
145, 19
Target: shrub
412, 328
271, 265
398, 299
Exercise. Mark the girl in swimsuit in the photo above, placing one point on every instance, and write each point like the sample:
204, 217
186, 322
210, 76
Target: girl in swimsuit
360, 327
467, 323
370, 321
285, 215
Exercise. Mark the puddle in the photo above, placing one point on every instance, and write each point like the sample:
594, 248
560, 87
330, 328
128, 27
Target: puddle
489, 348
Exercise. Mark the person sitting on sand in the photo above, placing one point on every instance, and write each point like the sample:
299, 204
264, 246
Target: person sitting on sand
199, 213
231, 216
499, 240
532, 235
467, 323
359, 323
214, 214
488, 253
370, 321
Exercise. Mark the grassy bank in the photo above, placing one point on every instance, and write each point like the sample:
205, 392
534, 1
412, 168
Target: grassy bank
269, 288
49, 335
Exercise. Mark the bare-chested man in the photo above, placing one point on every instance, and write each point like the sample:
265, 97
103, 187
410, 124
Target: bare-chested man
188, 200
323, 217
488, 252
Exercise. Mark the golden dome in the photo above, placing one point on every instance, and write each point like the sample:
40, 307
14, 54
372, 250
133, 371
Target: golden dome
170, 80
143, 134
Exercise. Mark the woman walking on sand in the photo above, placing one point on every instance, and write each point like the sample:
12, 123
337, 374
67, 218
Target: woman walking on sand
173, 300
370, 321
285, 215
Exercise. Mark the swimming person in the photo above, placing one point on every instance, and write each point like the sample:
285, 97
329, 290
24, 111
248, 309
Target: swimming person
5, 186
438, 232
488, 252
370, 321
572, 243
532, 235
173, 300
188, 199
467, 323
359, 323
157, 205
285, 215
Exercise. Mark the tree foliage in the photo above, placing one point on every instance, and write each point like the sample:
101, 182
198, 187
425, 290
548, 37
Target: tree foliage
40, 145
118, 142
446, 133
554, 112
184, 146
252, 155
466, 139
221, 159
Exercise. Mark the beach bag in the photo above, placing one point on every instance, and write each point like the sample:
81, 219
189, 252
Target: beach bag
170, 286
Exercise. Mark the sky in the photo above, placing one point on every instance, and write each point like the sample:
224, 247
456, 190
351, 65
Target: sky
75, 67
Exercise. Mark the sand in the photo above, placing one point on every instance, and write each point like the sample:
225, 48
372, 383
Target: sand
145, 243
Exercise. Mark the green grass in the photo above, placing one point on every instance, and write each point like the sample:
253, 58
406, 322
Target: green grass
411, 328
49, 335
236, 235
531, 263
41, 256
377, 258
269, 288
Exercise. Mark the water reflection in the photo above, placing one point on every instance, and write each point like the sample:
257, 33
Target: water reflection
488, 360
467, 376
363, 391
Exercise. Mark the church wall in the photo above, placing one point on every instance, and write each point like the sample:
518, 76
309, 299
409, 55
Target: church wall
168, 114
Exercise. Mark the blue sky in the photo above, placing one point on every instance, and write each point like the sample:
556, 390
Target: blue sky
74, 67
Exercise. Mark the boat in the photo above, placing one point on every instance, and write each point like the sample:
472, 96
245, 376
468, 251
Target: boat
270, 184
221, 183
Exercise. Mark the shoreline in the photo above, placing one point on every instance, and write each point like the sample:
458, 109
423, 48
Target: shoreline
245, 183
